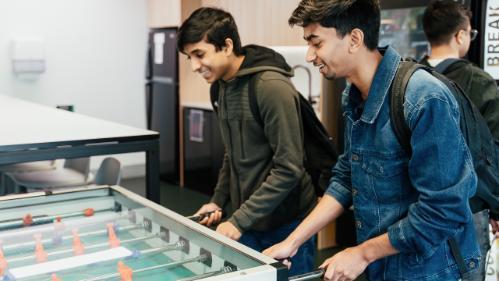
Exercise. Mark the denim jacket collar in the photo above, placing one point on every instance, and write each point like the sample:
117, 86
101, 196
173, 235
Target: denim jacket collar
380, 86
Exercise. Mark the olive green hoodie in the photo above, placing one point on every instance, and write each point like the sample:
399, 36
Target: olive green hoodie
262, 181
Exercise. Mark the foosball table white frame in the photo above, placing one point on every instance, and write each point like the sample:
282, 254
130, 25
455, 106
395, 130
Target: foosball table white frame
227, 259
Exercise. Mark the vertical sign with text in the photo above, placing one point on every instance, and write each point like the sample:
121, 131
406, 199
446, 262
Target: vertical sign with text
491, 39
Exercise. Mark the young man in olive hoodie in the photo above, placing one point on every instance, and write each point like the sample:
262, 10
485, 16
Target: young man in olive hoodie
262, 178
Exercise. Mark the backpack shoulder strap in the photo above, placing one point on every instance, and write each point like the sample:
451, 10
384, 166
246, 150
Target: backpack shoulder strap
397, 98
443, 66
214, 88
253, 103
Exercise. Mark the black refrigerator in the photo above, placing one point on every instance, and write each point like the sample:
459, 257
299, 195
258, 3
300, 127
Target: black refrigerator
162, 98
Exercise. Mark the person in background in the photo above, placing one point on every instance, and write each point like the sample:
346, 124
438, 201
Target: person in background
447, 27
409, 209
262, 179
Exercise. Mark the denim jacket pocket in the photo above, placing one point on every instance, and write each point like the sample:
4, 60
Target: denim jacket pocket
384, 166
386, 177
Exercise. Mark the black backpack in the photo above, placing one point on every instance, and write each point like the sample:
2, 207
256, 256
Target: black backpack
320, 155
473, 127
446, 64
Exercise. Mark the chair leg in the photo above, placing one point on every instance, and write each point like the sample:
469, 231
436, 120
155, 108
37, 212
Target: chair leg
10, 185
2, 185
22, 189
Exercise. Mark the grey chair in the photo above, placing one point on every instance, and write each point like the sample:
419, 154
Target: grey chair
28, 167
74, 172
109, 172
22, 167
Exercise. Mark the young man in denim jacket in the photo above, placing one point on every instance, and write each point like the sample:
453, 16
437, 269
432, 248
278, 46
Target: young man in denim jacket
406, 207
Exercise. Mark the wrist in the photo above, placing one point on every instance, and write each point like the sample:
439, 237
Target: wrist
377, 248
218, 199
367, 252
294, 241
234, 223
215, 205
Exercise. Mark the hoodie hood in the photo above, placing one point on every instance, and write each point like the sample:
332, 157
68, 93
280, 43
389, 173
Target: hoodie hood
258, 59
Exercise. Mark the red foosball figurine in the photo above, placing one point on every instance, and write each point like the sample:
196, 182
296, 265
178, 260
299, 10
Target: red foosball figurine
125, 272
28, 220
3, 263
113, 240
40, 254
78, 248
88, 212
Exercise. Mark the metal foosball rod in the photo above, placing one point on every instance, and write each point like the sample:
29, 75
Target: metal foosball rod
99, 245
68, 237
170, 247
29, 220
319, 273
199, 258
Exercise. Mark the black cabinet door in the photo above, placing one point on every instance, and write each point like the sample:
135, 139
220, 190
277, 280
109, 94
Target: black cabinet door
162, 102
203, 150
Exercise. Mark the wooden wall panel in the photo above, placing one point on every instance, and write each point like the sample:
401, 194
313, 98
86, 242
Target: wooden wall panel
262, 21
163, 13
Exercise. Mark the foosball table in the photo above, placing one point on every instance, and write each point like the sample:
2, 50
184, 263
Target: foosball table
109, 233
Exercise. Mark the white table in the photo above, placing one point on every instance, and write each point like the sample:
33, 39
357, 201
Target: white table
34, 132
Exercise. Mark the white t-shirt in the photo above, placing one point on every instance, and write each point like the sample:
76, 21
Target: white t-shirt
435, 62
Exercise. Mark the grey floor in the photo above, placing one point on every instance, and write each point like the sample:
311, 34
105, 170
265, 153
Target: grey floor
186, 201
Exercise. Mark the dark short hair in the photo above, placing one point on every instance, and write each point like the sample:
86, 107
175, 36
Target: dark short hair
442, 19
343, 15
210, 24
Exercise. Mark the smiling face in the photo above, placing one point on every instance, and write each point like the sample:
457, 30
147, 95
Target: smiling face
327, 50
207, 61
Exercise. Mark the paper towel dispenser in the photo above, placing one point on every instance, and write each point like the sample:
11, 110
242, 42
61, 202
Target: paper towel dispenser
28, 56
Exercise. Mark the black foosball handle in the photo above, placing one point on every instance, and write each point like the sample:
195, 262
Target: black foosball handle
200, 217
319, 273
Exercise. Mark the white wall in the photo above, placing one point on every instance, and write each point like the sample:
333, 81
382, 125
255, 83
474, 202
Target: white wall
296, 55
95, 57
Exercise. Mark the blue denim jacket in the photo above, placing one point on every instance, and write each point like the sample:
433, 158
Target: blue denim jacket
420, 200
